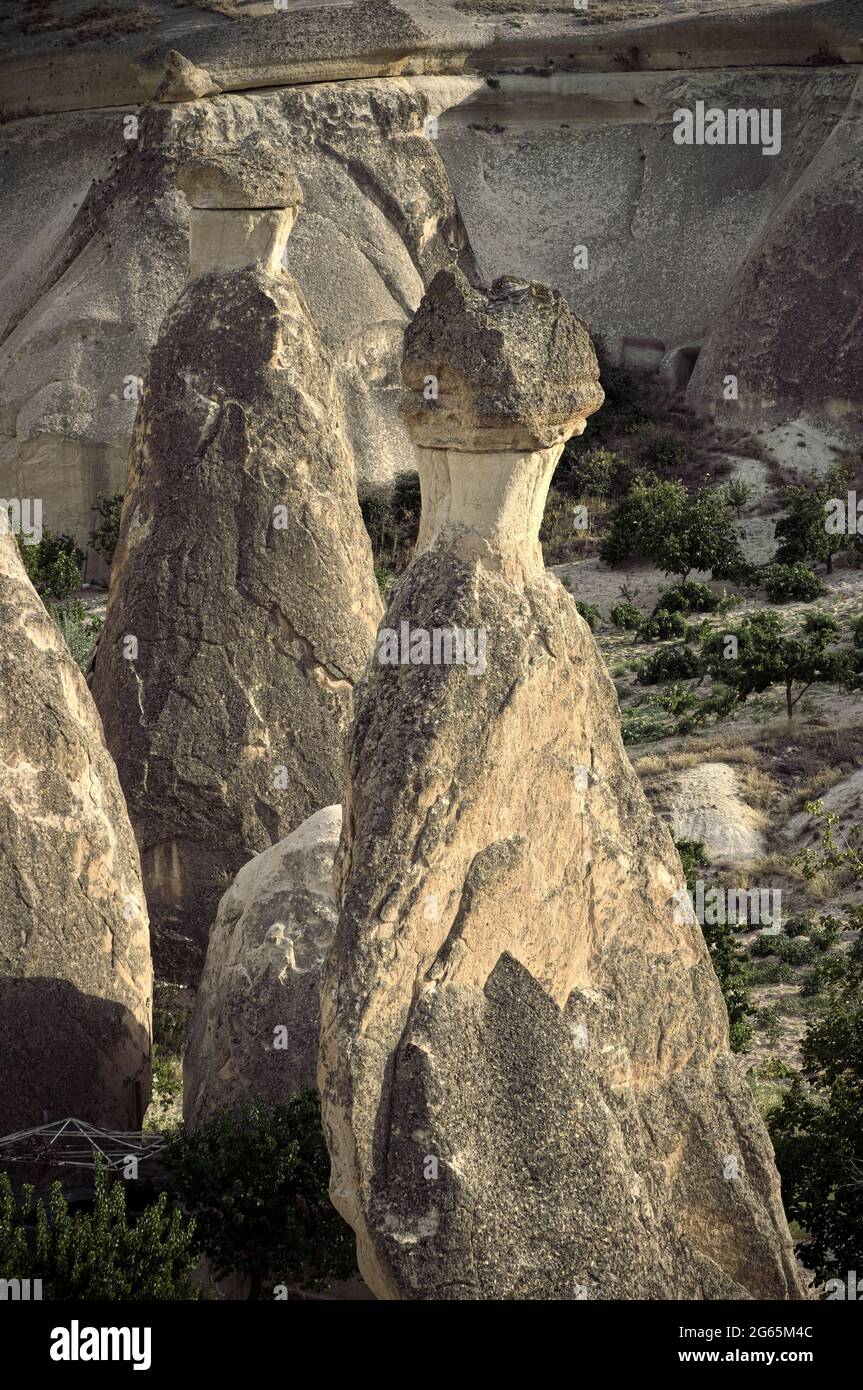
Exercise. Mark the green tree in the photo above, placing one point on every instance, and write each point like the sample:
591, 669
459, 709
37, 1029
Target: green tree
256, 1180
731, 969
53, 565
767, 655
104, 537
802, 532
817, 1131
738, 492
100, 1255
659, 521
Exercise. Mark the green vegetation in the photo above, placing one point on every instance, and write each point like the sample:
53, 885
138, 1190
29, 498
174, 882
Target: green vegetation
392, 519
589, 612
104, 537
728, 962
801, 533
787, 583
675, 530
100, 1255
53, 565
817, 1130
256, 1180
671, 663
767, 655
79, 628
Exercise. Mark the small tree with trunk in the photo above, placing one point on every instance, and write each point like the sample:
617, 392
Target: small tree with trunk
802, 532
659, 521
760, 653
256, 1179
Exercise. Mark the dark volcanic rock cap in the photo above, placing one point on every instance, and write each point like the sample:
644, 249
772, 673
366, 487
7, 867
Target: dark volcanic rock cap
250, 174
513, 366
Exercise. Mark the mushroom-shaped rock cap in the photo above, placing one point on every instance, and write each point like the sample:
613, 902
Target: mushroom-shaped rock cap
507, 368
251, 174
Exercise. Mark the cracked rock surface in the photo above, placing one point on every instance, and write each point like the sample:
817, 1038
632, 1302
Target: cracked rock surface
255, 1027
527, 1086
244, 574
76, 981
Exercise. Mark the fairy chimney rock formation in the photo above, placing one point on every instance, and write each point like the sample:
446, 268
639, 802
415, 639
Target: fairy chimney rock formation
242, 206
525, 1072
255, 1026
76, 980
496, 383
243, 600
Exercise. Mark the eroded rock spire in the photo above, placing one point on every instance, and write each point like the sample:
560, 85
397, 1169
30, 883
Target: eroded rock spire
243, 601
526, 1079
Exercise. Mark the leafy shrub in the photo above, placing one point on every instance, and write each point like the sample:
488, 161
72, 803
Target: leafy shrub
384, 578
589, 612
689, 597
641, 728
53, 566
98, 1255
586, 473
80, 629
666, 453
392, 520
625, 614
857, 631
676, 699
802, 533
738, 493
671, 663
795, 952
767, 1019
798, 926
821, 624
105, 536
826, 973
664, 625
730, 966
784, 583
256, 1180
659, 521
763, 946
817, 1133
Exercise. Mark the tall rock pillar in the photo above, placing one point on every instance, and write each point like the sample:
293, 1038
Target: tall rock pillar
525, 1072
243, 600
76, 981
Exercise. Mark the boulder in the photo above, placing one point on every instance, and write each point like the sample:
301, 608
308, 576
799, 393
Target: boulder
76, 979
255, 1026
243, 600
525, 1072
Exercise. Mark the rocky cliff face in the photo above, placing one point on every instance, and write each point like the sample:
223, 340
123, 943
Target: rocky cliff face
553, 129
526, 1081
76, 980
243, 601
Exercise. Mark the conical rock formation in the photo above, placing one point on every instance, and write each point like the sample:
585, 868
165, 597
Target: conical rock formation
76, 980
526, 1080
243, 601
257, 1013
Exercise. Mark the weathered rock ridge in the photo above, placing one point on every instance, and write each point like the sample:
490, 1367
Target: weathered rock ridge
257, 1012
567, 145
526, 1081
76, 980
243, 602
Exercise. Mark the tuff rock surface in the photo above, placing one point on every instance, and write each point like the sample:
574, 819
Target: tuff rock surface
244, 575
526, 1081
76, 979
413, 127
256, 1022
